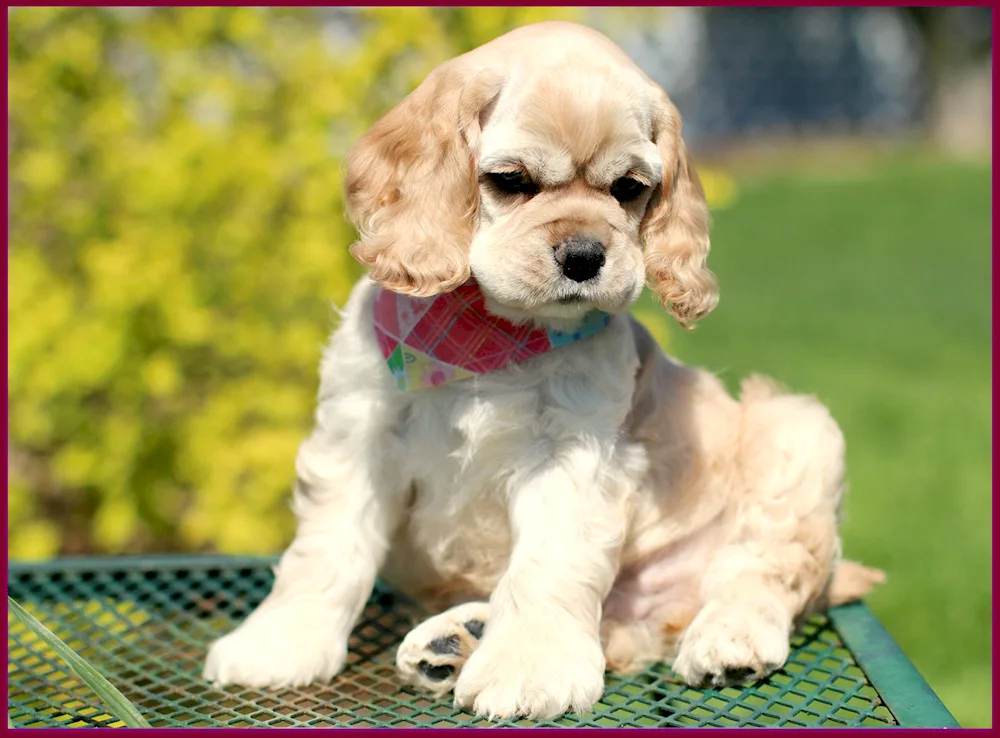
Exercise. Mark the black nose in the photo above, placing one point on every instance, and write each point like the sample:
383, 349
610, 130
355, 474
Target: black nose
581, 259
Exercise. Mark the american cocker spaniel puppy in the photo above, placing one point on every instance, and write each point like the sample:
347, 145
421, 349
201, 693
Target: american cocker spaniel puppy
496, 436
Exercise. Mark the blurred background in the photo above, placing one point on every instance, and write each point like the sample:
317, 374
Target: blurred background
177, 239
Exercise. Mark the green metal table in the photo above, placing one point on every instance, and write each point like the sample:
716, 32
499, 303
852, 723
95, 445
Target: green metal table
145, 623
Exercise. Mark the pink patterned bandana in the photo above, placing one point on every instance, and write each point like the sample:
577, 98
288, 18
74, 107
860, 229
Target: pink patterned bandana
431, 341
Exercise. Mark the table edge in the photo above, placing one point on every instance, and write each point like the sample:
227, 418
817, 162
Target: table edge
904, 691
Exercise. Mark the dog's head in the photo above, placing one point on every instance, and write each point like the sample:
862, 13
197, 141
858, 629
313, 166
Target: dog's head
546, 165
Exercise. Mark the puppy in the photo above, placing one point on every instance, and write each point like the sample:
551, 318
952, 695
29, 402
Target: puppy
589, 505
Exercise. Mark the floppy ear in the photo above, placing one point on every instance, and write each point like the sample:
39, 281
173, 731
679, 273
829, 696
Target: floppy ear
675, 229
412, 186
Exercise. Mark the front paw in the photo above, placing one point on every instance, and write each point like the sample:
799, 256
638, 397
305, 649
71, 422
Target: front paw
288, 645
534, 672
730, 645
432, 655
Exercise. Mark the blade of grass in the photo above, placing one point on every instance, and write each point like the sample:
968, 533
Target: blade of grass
120, 706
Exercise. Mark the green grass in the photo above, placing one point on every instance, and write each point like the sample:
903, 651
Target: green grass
874, 294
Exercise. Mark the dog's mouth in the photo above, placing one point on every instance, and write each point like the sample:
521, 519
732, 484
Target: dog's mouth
570, 300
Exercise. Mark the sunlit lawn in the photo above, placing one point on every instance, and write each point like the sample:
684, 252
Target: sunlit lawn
873, 292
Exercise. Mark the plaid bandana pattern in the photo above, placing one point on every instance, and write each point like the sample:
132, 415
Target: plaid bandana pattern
427, 342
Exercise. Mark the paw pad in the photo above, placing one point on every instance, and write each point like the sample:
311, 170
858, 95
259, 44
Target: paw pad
436, 672
738, 674
475, 628
446, 645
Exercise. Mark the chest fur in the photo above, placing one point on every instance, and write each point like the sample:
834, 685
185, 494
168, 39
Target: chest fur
467, 445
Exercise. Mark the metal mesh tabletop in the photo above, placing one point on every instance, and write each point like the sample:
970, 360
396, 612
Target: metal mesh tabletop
145, 623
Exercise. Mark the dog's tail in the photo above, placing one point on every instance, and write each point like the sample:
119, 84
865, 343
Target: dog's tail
852, 581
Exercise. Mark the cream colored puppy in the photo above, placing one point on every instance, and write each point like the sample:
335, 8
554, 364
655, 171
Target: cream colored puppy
597, 506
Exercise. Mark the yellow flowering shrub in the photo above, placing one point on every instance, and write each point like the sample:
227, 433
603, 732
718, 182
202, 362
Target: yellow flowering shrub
176, 240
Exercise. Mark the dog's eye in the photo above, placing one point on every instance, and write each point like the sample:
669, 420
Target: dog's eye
512, 183
626, 189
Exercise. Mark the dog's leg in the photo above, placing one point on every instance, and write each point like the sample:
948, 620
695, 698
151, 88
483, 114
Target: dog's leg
741, 634
346, 512
541, 654
784, 546
432, 654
